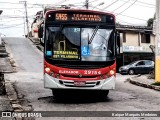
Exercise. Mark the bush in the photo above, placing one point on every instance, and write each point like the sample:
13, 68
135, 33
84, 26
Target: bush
156, 83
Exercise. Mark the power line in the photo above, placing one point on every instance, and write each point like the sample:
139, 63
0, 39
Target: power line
123, 11
120, 6
12, 26
126, 8
20, 8
143, 5
16, 16
17, 19
133, 17
11, 8
123, 15
60, 2
9, 3
110, 4
17, 3
125, 21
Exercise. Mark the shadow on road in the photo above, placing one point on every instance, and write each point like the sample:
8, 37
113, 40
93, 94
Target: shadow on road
75, 98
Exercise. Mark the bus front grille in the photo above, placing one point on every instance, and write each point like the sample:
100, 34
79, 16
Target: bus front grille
69, 83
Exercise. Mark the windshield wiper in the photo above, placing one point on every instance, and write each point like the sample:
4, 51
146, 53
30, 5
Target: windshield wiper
93, 35
59, 32
61, 28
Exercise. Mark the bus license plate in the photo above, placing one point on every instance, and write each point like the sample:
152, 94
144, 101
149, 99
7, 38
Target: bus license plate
79, 83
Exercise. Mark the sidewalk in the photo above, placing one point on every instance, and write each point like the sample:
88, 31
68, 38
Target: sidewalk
5, 67
142, 80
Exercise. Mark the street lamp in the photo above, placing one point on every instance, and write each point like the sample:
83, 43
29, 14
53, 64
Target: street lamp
98, 5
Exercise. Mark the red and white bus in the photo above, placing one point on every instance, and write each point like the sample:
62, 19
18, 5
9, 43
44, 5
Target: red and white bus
79, 50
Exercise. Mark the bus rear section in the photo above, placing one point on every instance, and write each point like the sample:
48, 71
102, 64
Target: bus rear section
79, 50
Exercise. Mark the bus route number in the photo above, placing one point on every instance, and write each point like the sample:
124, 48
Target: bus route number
91, 72
60, 16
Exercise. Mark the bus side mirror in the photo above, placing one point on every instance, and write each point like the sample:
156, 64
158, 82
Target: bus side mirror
40, 32
117, 43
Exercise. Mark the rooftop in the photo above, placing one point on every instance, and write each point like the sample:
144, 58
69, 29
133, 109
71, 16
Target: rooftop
133, 28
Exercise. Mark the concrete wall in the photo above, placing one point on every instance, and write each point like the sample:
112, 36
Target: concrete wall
131, 39
133, 42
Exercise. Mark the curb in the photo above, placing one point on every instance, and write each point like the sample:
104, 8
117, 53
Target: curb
39, 47
5, 65
144, 84
35, 41
37, 44
3, 54
16, 98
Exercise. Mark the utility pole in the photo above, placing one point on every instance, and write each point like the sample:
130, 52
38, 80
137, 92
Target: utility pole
27, 24
24, 25
87, 4
0, 33
157, 43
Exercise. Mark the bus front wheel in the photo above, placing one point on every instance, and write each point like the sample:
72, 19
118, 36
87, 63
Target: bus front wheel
57, 94
102, 94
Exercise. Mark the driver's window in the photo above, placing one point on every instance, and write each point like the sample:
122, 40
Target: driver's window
140, 63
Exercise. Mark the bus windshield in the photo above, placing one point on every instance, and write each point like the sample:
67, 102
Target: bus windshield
79, 43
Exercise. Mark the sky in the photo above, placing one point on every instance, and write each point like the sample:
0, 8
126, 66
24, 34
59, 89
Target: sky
128, 12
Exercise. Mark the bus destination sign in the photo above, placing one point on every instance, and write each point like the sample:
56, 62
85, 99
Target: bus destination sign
79, 17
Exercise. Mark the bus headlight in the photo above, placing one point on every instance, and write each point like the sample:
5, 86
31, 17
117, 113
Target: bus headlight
111, 72
47, 70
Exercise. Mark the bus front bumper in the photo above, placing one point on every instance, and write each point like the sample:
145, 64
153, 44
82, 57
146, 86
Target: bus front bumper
54, 83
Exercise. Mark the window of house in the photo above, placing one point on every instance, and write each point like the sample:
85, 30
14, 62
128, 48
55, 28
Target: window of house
124, 37
145, 38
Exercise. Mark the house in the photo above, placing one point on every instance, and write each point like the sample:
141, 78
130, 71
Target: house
134, 43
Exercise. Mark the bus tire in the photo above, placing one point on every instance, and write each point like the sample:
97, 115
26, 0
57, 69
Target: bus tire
102, 94
56, 94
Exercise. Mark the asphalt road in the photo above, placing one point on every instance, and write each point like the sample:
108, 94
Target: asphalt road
29, 82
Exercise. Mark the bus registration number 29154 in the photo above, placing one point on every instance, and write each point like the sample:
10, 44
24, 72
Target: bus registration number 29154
92, 72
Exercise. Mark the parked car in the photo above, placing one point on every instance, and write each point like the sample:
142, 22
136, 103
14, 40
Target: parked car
137, 67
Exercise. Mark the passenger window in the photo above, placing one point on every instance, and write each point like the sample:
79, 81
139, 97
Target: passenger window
148, 62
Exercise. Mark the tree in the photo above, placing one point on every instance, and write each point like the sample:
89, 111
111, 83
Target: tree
150, 22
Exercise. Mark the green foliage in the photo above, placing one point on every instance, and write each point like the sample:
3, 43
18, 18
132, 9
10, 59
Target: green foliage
156, 83
150, 22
